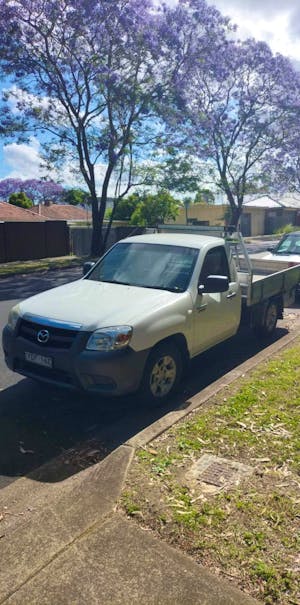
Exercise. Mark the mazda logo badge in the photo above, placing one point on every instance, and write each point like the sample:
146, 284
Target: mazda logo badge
43, 336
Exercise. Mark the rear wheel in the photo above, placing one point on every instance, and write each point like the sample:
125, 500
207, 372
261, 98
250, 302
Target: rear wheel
162, 373
269, 320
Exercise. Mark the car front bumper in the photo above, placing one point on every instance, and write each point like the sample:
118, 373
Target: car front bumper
111, 373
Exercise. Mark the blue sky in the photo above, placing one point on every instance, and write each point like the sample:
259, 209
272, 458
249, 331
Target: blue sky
275, 21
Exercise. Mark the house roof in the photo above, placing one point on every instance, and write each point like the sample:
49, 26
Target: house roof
8, 212
262, 202
288, 200
65, 212
291, 200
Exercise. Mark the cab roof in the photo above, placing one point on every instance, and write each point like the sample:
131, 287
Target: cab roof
175, 239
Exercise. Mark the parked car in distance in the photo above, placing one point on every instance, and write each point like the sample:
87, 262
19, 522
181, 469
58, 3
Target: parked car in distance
287, 249
285, 254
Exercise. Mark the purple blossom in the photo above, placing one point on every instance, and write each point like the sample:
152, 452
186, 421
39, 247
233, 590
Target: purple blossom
236, 115
37, 191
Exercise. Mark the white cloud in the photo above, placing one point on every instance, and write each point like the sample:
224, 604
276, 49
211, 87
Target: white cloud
19, 99
273, 21
23, 160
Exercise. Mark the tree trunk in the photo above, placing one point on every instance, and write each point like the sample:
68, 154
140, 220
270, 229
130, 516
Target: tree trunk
235, 214
109, 225
97, 236
97, 240
98, 211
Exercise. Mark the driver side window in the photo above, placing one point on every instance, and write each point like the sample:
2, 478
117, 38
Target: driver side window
215, 263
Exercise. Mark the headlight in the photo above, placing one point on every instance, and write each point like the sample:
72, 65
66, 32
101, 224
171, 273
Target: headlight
13, 317
110, 339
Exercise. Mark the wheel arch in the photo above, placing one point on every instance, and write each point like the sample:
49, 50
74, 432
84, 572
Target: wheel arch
175, 346
259, 313
180, 342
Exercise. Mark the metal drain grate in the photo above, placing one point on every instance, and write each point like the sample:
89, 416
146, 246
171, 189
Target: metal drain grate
217, 474
212, 473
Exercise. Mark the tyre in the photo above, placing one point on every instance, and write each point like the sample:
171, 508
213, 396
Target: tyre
162, 373
269, 320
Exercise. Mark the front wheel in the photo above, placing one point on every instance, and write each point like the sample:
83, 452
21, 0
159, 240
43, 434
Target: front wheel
162, 373
269, 320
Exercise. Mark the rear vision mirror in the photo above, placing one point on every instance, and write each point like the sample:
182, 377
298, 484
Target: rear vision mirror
214, 283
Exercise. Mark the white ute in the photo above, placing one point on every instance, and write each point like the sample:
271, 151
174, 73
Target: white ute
144, 309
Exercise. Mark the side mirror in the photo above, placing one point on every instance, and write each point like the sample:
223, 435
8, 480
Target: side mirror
271, 249
213, 284
87, 267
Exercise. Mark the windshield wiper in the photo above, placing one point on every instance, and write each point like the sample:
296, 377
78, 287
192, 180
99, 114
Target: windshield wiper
283, 252
114, 281
165, 288
123, 283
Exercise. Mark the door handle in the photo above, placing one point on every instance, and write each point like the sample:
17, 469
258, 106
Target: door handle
201, 307
231, 295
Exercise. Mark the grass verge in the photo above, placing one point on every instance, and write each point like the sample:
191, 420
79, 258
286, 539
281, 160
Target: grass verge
249, 532
44, 264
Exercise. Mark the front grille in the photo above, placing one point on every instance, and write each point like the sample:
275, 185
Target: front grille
31, 369
60, 338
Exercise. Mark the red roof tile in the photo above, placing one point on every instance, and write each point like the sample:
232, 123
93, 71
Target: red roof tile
65, 212
8, 212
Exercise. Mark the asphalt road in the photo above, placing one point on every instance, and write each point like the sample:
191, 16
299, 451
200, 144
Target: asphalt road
260, 246
51, 434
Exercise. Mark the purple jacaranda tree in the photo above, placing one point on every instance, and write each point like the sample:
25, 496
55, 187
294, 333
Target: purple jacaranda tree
36, 190
9, 186
235, 117
93, 74
284, 170
43, 191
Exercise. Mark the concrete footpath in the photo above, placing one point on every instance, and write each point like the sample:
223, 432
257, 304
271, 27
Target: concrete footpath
65, 543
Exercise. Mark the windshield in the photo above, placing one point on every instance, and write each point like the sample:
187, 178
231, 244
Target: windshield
289, 245
147, 265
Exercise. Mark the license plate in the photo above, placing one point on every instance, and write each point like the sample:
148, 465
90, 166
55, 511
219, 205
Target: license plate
40, 360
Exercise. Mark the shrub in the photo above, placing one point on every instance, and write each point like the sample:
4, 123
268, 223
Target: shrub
285, 229
20, 199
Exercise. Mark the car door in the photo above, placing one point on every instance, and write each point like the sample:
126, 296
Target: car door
216, 315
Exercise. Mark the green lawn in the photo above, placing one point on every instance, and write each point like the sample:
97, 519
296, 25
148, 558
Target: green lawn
29, 266
248, 533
